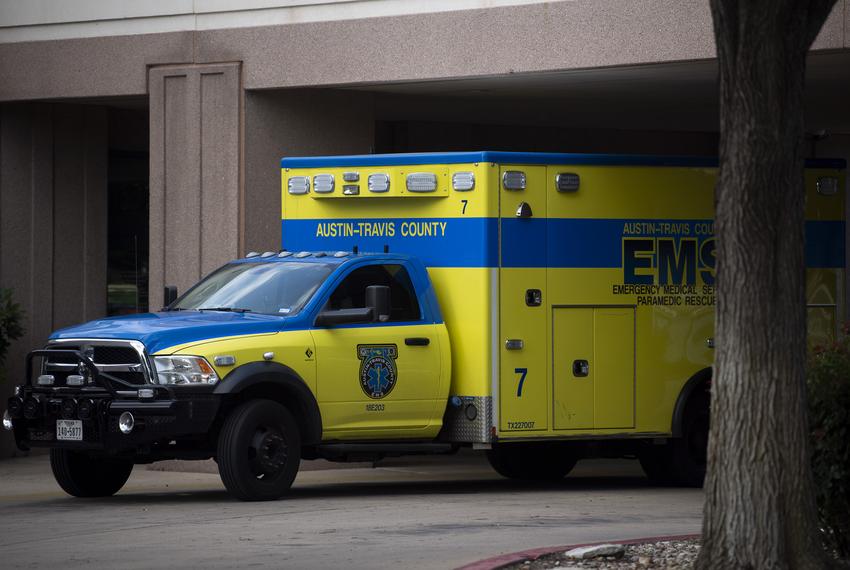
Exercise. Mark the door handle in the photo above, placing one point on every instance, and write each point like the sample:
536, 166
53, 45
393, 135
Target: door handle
581, 368
417, 341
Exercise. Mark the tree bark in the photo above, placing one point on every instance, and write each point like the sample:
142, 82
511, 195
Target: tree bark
760, 510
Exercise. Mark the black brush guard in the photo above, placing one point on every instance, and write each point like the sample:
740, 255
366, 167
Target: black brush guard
100, 378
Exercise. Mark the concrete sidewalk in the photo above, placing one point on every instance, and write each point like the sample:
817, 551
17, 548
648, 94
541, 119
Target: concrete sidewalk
439, 514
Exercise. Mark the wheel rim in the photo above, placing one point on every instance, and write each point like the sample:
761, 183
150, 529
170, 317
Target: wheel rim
268, 453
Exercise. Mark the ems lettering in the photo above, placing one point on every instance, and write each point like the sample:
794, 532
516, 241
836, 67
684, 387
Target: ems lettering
668, 261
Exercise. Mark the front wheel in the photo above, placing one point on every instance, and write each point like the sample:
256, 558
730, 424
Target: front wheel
532, 461
259, 451
83, 475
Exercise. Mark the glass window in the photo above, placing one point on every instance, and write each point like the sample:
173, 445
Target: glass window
351, 293
277, 288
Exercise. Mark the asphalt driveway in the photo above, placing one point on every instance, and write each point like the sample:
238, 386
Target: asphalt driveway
436, 514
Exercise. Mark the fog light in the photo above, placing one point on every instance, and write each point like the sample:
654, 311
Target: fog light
45, 380
85, 409
75, 380
68, 409
32, 407
126, 421
7, 420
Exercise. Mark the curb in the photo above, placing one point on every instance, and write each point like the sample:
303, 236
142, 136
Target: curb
535, 553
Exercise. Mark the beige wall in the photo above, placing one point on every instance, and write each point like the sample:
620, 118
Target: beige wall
292, 123
52, 221
502, 41
195, 173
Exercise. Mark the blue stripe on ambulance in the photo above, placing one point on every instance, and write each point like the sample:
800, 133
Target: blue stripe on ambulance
553, 242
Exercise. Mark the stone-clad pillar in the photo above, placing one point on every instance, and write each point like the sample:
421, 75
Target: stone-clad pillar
195, 172
53, 169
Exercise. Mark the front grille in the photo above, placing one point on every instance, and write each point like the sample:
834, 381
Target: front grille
64, 359
118, 359
131, 377
115, 355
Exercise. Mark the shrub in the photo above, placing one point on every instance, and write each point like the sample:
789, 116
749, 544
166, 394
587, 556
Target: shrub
11, 324
829, 418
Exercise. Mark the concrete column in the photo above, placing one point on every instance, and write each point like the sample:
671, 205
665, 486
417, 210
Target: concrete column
80, 214
52, 222
295, 123
195, 173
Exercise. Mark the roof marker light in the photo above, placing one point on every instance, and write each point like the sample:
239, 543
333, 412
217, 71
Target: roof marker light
284, 253
302, 254
299, 185
321, 254
379, 183
513, 180
252, 254
421, 182
463, 181
567, 182
341, 254
267, 254
323, 183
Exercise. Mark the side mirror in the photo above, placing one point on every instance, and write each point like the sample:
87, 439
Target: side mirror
378, 299
345, 317
169, 295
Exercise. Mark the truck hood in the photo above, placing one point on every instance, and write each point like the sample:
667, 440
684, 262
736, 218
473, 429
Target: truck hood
159, 331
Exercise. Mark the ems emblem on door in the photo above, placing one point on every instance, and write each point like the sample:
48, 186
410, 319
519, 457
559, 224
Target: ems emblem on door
378, 372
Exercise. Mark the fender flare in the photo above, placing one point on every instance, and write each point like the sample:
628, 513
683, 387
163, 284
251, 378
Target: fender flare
688, 389
287, 383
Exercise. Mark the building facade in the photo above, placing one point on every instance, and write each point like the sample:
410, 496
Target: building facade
140, 141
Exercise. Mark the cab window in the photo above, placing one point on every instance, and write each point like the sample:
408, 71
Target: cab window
351, 293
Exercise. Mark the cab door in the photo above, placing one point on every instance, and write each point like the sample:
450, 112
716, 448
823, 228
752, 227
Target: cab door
383, 378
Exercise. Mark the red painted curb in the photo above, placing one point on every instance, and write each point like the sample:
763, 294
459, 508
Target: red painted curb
535, 553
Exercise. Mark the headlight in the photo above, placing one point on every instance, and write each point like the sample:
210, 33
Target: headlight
183, 370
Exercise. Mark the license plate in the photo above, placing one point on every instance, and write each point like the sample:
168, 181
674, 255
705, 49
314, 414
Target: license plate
69, 430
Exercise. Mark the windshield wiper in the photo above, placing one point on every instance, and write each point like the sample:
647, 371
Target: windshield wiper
228, 309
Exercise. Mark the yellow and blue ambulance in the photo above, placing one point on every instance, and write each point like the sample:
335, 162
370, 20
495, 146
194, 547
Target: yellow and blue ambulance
543, 307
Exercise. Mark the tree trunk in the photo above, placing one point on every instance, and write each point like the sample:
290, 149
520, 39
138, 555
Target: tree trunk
760, 510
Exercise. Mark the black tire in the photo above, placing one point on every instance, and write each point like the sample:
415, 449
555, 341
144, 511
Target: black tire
83, 475
682, 461
690, 452
259, 450
532, 461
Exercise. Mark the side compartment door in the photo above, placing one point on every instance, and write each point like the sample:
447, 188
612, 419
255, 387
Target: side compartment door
523, 326
594, 367
380, 377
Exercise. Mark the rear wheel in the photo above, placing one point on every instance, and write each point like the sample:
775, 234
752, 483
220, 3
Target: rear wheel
532, 461
83, 475
259, 450
682, 461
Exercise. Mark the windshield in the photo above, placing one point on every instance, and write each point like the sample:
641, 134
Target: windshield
275, 288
